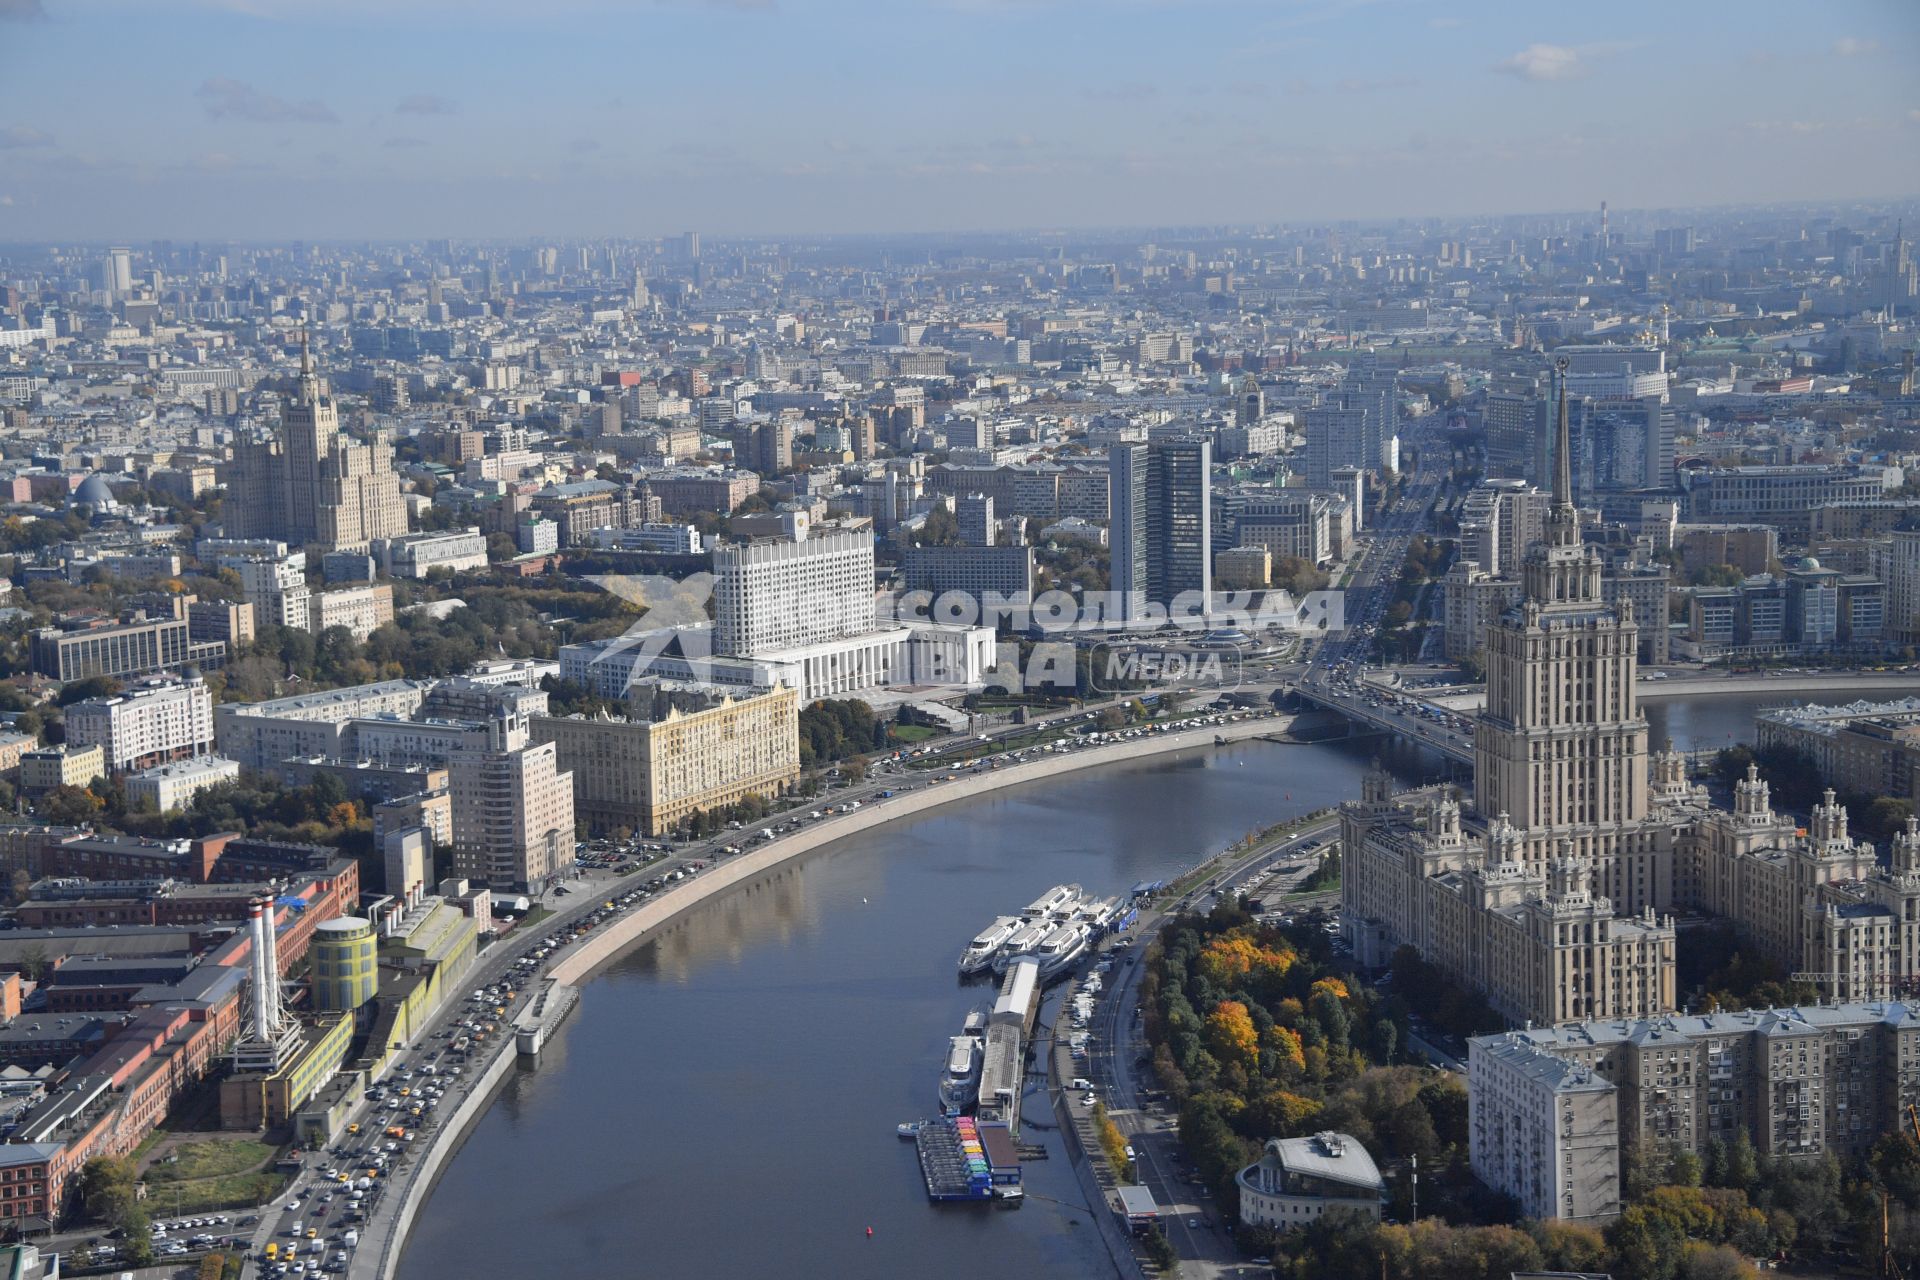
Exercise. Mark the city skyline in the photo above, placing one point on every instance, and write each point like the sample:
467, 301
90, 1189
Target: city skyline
252, 118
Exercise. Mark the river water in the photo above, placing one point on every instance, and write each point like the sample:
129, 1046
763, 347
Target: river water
1699, 723
723, 1102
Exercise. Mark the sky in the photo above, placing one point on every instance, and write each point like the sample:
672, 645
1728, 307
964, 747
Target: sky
263, 120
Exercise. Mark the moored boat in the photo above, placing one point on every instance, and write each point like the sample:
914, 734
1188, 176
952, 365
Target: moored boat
960, 1083
985, 945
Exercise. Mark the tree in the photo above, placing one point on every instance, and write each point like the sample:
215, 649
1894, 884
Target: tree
1281, 1114
1645, 1244
106, 1189
1159, 1249
91, 687
1713, 1170
1883, 816
1700, 1261
1473, 667
1687, 1168
34, 963
1288, 1057
1570, 1246
1743, 1162
1384, 1041
70, 806
1717, 575
1332, 1017
1231, 1034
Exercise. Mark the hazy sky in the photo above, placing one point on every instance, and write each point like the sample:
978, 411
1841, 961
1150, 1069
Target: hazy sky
268, 119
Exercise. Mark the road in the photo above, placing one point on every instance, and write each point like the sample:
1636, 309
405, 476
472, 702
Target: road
1206, 1251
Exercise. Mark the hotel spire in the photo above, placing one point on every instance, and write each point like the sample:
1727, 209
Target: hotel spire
1565, 517
309, 384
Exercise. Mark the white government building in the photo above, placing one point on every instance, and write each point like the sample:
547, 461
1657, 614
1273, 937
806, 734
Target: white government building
793, 613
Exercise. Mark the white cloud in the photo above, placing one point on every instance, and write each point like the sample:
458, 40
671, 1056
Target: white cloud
1544, 62
1854, 47
1560, 61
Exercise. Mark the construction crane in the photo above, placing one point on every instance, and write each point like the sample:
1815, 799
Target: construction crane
1889, 1265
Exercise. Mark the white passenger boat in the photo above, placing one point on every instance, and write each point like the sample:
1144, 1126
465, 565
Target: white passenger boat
960, 1083
1061, 948
980, 952
1062, 897
1023, 943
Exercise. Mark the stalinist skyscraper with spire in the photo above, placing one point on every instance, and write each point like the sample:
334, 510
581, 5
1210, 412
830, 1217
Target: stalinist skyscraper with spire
1552, 894
309, 485
1561, 750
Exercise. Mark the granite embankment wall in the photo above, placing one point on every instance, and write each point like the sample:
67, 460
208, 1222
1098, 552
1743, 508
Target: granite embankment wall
596, 951
586, 958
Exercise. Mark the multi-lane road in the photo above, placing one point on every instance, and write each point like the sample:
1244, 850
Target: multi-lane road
1193, 1222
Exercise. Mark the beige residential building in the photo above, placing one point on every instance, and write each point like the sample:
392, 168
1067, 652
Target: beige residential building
166, 787
221, 620
1866, 748
513, 823
1552, 1109
150, 723
1544, 1129
261, 734
359, 609
12, 747
1896, 563
651, 775
431, 809
61, 766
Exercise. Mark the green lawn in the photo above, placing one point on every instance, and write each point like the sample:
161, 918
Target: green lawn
218, 1173
914, 732
213, 1158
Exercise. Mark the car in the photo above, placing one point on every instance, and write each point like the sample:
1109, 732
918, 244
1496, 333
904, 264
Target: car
1130, 1151
1194, 1223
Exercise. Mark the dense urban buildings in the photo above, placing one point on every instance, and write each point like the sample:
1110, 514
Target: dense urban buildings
489, 558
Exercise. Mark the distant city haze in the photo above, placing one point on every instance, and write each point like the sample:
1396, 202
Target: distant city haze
349, 119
